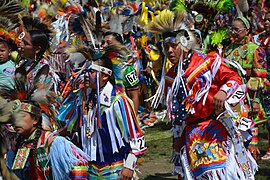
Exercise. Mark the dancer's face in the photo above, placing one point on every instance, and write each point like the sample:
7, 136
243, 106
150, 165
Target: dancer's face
109, 39
267, 23
28, 124
25, 46
4, 52
239, 31
173, 51
91, 80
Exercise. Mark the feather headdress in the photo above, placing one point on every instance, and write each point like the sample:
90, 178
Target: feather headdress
34, 98
167, 21
172, 27
173, 24
9, 19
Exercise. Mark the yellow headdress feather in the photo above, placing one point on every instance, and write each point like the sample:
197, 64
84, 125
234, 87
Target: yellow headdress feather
167, 21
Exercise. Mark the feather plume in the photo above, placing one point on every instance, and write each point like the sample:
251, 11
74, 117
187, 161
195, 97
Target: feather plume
36, 94
117, 49
223, 5
9, 11
44, 96
98, 26
116, 21
81, 48
40, 77
17, 90
166, 21
30, 23
5, 110
87, 28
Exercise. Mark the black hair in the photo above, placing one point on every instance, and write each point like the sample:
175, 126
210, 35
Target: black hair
39, 39
39, 33
250, 27
117, 36
107, 63
9, 43
2, 41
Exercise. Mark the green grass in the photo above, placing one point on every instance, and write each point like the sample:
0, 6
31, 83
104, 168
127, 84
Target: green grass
264, 166
159, 143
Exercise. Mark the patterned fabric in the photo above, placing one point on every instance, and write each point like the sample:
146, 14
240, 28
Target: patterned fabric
119, 126
105, 172
203, 85
211, 148
252, 58
206, 142
46, 167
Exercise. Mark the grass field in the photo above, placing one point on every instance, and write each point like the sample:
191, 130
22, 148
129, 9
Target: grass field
157, 166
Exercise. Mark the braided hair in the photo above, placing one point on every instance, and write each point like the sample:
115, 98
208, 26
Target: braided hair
38, 132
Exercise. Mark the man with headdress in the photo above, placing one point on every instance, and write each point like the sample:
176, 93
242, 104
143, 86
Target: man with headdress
104, 116
206, 138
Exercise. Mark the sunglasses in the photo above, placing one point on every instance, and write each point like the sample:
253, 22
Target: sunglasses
237, 30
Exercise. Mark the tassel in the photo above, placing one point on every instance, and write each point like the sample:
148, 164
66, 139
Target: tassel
98, 102
157, 98
63, 156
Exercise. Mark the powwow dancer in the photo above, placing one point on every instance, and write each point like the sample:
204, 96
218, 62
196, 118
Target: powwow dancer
207, 142
39, 153
110, 133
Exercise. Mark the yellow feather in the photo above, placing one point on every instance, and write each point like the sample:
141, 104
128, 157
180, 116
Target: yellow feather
163, 22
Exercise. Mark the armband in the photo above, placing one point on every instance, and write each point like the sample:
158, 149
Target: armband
138, 146
131, 161
229, 87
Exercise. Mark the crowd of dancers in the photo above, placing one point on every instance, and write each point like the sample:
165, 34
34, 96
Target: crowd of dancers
79, 80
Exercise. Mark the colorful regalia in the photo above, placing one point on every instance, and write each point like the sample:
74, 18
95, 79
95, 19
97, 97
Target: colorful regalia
44, 154
56, 158
109, 145
201, 156
105, 117
251, 58
209, 145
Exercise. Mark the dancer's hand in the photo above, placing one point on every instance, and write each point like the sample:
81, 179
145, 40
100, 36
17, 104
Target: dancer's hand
218, 101
126, 173
255, 152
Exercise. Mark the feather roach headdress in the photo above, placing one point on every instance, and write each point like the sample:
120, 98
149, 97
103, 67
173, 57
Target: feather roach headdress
171, 25
34, 98
29, 23
9, 19
173, 28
